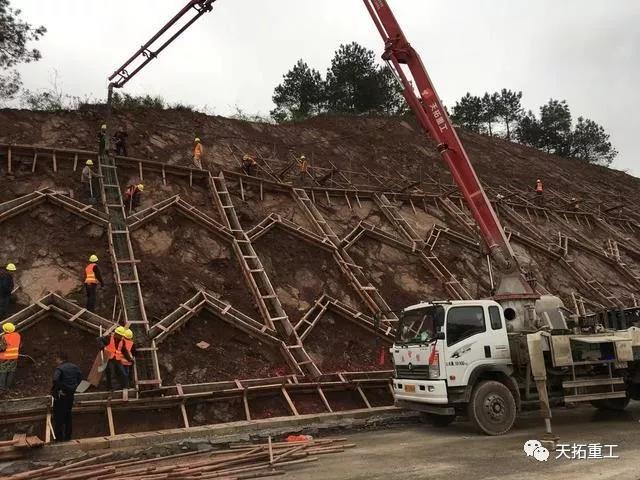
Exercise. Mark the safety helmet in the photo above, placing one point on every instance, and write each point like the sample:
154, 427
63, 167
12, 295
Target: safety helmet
120, 331
246, 156
11, 267
538, 180
8, 327
128, 334
104, 126
93, 258
141, 187
197, 140
302, 157
89, 162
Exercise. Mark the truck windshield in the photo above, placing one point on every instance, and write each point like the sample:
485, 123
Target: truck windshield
420, 325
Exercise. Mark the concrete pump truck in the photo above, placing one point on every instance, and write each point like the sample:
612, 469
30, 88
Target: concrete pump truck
483, 358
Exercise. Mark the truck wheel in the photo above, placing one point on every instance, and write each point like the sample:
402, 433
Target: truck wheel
438, 420
492, 408
611, 404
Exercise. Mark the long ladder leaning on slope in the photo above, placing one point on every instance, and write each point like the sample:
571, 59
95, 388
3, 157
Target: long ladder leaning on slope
365, 288
268, 302
146, 370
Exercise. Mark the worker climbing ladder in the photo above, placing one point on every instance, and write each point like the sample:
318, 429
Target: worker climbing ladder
125, 271
268, 302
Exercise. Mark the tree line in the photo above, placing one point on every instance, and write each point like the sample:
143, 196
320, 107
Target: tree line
353, 84
552, 130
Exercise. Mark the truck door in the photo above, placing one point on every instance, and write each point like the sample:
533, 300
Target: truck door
468, 342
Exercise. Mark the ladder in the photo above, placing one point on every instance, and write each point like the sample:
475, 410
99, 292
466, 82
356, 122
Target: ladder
268, 302
392, 212
462, 217
125, 271
367, 291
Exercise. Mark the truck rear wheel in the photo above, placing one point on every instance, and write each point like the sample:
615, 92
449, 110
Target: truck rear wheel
492, 408
612, 404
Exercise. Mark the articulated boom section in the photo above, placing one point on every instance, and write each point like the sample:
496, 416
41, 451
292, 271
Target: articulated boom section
430, 113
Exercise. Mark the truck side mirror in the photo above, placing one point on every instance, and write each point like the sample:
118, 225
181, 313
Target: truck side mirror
440, 336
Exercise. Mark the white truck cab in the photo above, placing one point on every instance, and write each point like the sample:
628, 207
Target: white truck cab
442, 349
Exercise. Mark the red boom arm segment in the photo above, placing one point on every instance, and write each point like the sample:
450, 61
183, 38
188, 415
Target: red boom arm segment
431, 116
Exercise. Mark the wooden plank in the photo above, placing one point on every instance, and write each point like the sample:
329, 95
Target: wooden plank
112, 430
364, 397
9, 160
288, 399
324, 399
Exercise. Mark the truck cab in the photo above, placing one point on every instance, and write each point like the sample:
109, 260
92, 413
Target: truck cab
444, 351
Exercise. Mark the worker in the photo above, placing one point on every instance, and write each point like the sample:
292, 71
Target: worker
114, 350
128, 357
120, 143
249, 165
9, 352
66, 378
198, 151
87, 179
303, 167
132, 196
539, 192
102, 139
7, 286
92, 277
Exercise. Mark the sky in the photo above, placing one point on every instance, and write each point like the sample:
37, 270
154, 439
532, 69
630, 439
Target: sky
586, 52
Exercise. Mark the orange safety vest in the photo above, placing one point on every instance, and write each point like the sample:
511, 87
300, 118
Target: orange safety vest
89, 275
128, 344
197, 150
13, 346
539, 187
114, 352
302, 165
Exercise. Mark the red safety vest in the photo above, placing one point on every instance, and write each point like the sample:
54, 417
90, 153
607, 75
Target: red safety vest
114, 351
89, 275
128, 344
13, 346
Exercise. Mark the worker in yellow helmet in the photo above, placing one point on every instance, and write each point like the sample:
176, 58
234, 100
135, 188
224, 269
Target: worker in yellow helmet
7, 287
9, 351
249, 165
129, 353
92, 277
198, 151
102, 139
114, 352
303, 167
87, 180
133, 196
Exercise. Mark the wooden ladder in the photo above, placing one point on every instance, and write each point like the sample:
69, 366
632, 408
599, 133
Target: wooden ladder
392, 212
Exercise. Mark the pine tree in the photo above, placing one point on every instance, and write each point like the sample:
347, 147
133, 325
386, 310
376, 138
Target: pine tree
300, 95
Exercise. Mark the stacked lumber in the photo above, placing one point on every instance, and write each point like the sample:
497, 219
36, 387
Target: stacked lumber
239, 461
18, 447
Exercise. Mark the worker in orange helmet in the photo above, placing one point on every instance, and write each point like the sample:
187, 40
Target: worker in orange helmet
9, 352
539, 192
198, 151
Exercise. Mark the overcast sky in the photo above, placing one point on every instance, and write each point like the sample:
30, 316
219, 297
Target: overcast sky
584, 51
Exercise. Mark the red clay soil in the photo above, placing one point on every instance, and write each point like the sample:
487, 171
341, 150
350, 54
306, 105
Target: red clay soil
308, 403
390, 268
268, 407
232, 354
378, 396
41, 342
178, 257
344, 400
219, 411
303, 270
147, 420
339, 345
48, 236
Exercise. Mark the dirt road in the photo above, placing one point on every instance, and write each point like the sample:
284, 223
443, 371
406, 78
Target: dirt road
456, 453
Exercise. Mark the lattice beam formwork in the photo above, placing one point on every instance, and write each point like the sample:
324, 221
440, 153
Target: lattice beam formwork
146, 368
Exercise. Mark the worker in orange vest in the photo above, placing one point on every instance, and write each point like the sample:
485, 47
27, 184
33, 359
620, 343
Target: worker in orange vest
303, 166
198, 151
249, 165
114, 351
92, 277
9, 351
539, 192
130, 349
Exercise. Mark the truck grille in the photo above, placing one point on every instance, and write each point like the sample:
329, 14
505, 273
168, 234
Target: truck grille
417, 372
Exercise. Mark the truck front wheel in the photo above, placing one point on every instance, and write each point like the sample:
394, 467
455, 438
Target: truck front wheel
492, 408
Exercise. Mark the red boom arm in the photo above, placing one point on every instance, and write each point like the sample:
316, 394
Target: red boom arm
432, 117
